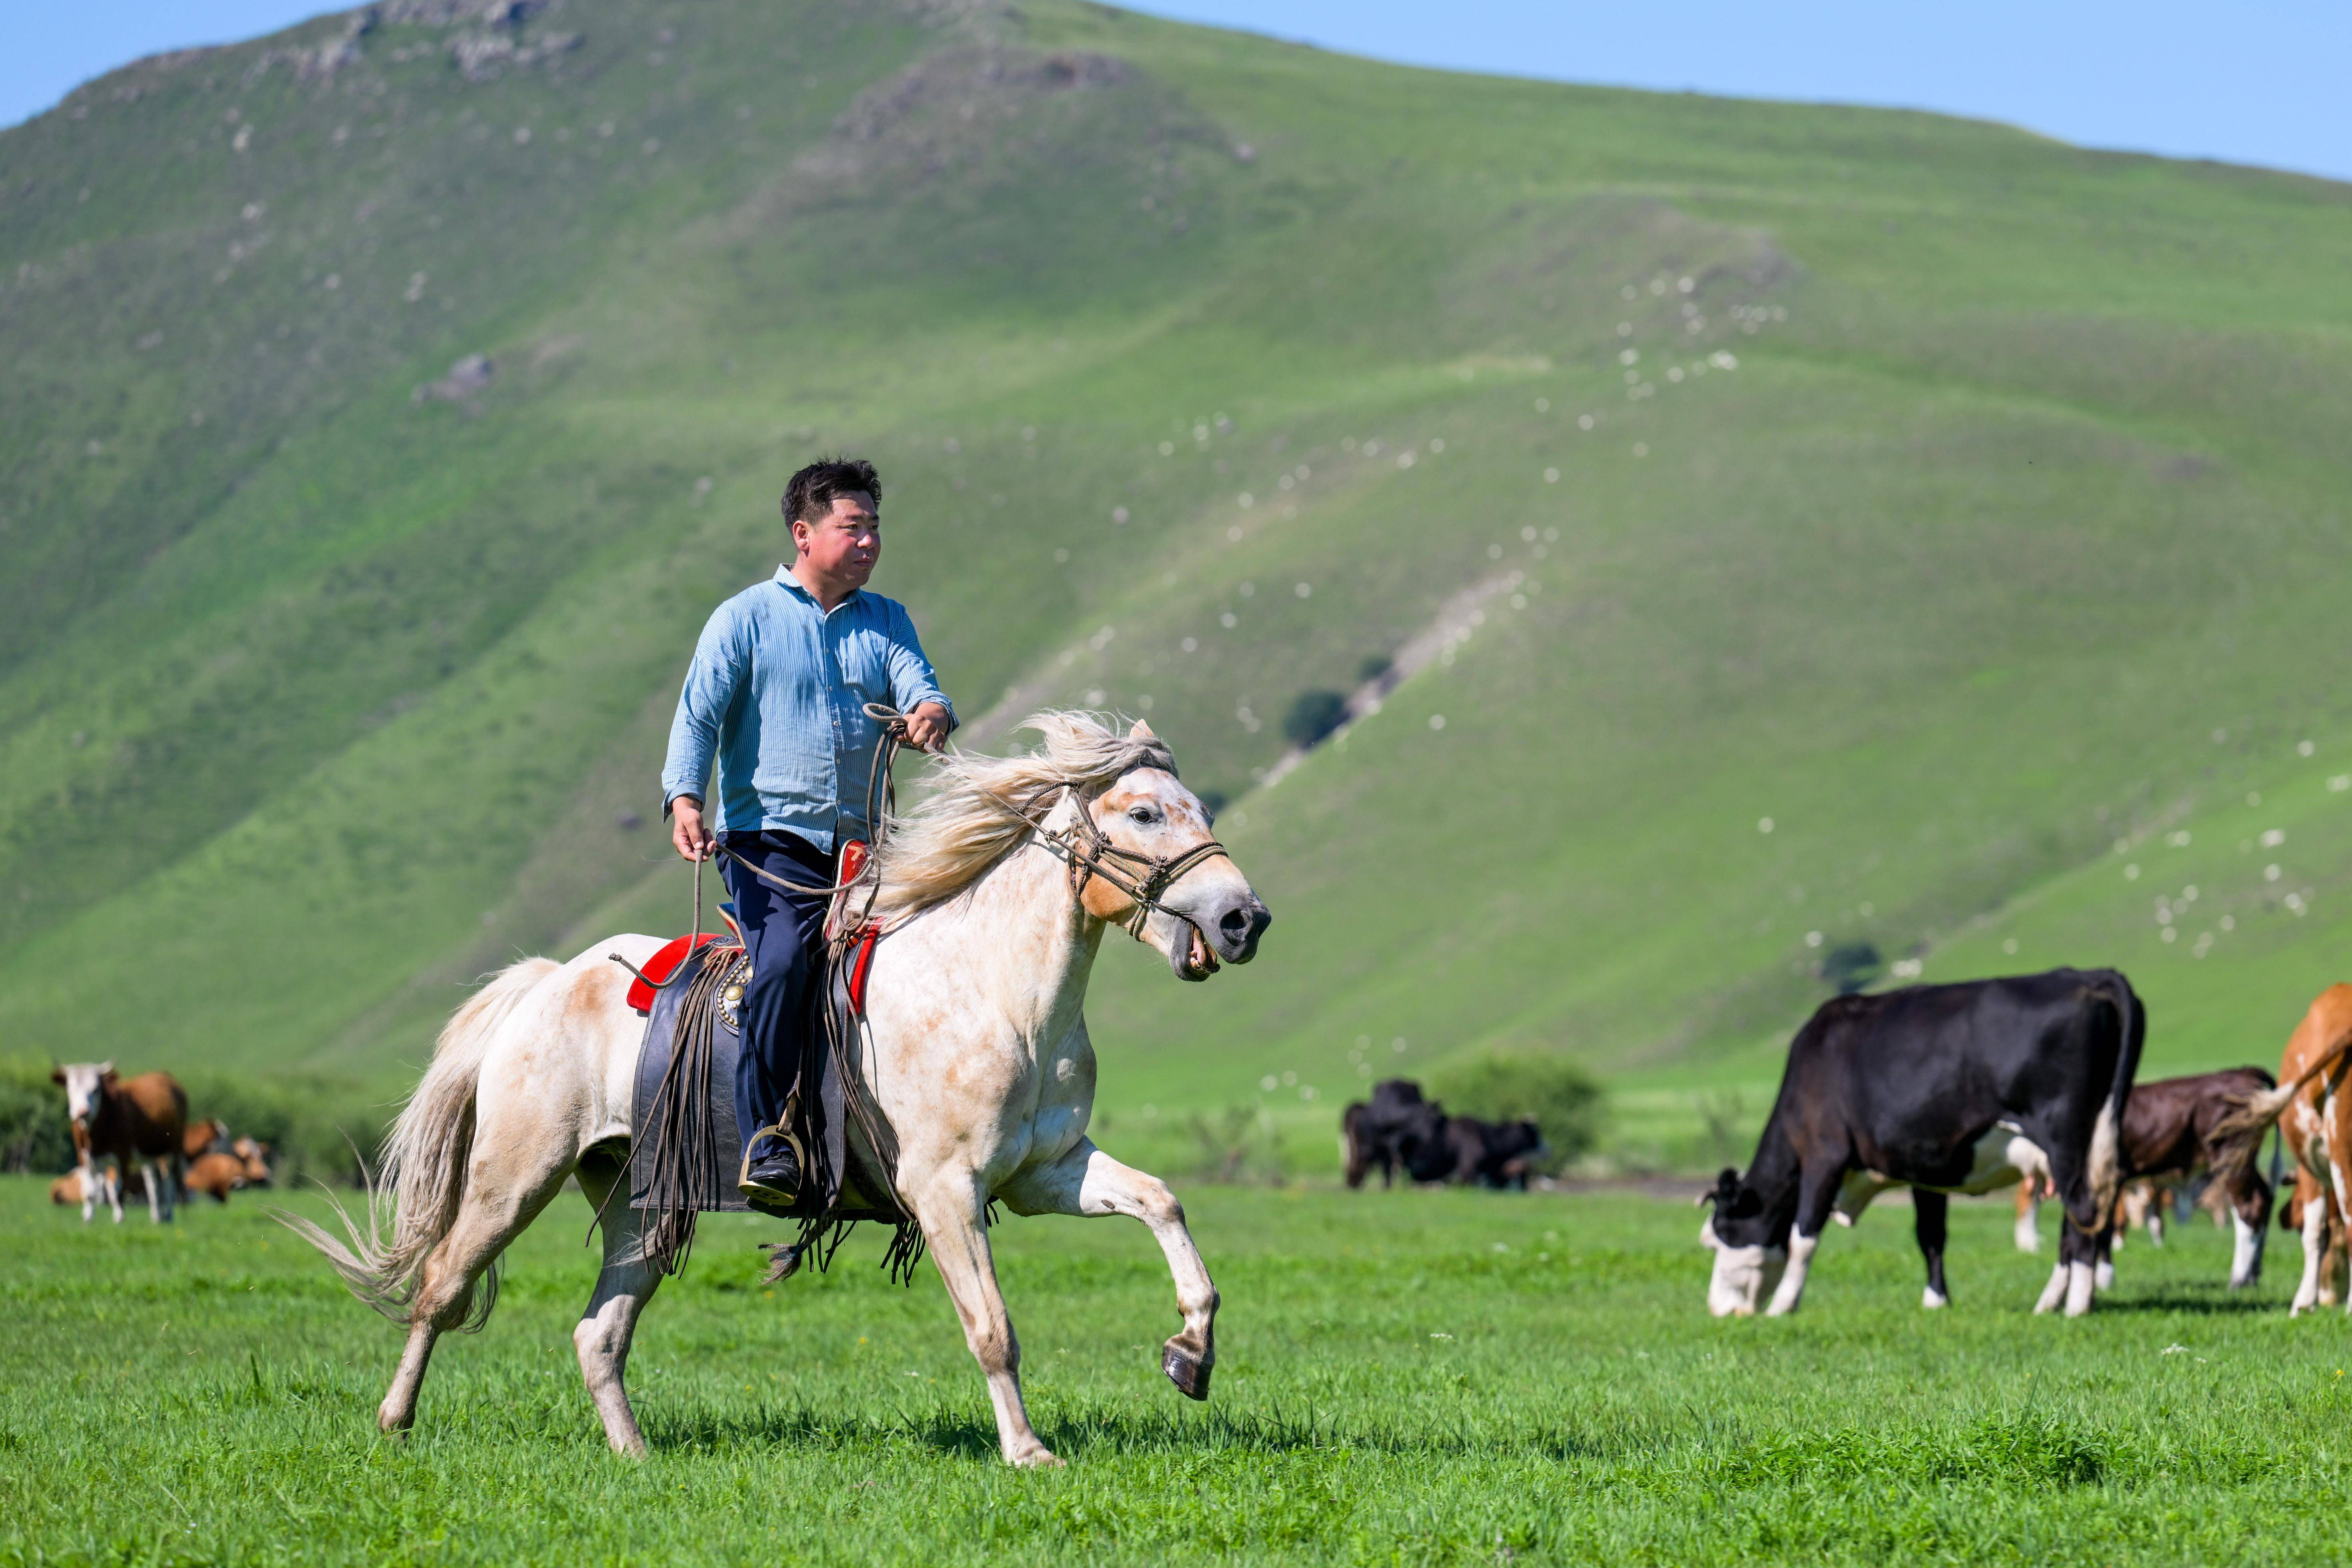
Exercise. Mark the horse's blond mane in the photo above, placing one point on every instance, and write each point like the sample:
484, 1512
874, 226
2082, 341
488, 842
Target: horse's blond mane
974, 816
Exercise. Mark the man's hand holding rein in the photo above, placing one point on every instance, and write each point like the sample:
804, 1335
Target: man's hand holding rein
686, 831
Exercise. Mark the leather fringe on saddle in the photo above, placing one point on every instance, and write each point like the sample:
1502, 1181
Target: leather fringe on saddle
682, 1134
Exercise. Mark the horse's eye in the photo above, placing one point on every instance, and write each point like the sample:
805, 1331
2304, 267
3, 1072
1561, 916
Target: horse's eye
1139, 814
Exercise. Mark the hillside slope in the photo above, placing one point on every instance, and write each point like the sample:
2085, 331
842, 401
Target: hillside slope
1968, 507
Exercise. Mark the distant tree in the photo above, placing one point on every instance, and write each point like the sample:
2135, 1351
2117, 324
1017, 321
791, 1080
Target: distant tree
1372, 669
1314, 715
1851, 965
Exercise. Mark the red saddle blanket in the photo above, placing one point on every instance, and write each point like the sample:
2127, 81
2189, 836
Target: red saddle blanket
660, 966
664, 963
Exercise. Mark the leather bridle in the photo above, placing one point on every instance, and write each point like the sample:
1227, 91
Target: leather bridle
1090, 853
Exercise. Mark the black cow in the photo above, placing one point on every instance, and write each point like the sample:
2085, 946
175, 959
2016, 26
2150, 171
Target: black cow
1398, 1128
1493, 1153
1931, 1087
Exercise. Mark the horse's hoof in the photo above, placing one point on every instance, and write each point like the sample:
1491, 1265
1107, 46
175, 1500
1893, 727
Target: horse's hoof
1188, 1372
1039, 1457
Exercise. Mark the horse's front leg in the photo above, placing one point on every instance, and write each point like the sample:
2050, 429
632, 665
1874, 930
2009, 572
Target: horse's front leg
951, 1209
1087, 1182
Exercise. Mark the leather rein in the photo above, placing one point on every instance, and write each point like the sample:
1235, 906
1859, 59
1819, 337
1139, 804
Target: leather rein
1089, 852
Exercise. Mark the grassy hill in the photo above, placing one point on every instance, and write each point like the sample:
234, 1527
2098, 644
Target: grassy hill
1969, 507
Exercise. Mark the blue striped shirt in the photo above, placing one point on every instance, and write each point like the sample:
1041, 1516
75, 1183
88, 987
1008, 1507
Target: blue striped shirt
776, 696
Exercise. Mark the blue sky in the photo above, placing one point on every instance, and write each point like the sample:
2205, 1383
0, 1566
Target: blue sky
2254, 81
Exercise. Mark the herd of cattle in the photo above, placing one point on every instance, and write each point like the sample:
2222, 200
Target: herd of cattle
1400, 1130
133, 1138
2025, 1080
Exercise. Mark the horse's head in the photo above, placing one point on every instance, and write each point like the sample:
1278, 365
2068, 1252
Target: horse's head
84, 1083
1208, 913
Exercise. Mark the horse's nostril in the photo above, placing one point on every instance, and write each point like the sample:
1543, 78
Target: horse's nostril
1234, 924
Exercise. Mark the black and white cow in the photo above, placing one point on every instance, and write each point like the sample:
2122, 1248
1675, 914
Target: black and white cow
1942, 1089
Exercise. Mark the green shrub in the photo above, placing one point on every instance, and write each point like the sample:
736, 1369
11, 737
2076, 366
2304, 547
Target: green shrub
34, 1134
1241, 1147
311, 1122
1495, 1084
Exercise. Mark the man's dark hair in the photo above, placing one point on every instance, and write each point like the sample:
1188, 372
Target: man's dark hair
809, 495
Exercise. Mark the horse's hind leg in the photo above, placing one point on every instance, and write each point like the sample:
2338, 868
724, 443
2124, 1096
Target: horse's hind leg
1089, 1182
624, 1287
508, 1182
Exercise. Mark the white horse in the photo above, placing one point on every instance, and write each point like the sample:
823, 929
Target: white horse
975, 1049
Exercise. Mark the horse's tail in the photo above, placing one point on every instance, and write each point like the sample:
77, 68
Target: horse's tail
424, 1171
2107, 1132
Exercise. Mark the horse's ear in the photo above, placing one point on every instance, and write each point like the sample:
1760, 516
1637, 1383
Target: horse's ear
106, 1072
1142, 731
57, 1075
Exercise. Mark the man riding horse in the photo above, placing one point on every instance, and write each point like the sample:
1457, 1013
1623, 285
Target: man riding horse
777, 697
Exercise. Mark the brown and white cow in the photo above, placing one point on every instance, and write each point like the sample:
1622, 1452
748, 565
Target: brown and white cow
2301, 1199
205, 1135
2312, 1107
222, 1171
2173, 1127
127, 1121
66, 1189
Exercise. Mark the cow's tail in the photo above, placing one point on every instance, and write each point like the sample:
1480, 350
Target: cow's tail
2106, 1160
2237, 1135
423, 1179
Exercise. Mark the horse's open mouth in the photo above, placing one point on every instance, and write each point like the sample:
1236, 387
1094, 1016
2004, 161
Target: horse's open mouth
1200, 959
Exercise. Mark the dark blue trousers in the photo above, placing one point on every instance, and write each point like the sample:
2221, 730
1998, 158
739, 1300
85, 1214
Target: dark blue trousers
783, 935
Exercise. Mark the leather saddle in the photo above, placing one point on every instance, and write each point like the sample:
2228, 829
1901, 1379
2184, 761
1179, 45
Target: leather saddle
845, 1178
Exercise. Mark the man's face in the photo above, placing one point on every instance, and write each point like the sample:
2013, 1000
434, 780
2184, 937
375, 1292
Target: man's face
843, 546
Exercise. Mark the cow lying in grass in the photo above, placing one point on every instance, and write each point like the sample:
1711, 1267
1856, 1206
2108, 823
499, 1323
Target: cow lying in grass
1934, 1088
223, 1171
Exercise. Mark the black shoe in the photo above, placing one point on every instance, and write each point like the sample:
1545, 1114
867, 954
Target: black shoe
771, 1177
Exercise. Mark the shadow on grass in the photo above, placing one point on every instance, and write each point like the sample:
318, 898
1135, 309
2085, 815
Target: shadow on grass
1102, 1432
2178, 1300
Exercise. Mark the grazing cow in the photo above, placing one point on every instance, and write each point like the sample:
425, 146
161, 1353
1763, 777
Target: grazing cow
2314, 1117
1935, 1086
2172, 1128
1399, 1128
1493, 1153
126, 1121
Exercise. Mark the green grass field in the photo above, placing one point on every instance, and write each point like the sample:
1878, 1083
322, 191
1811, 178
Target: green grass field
1410, 1377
